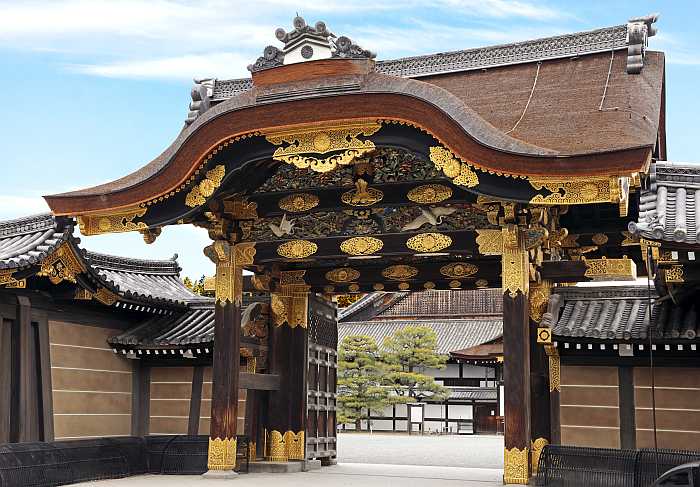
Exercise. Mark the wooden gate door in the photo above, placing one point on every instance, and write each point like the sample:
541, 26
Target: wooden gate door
321, 382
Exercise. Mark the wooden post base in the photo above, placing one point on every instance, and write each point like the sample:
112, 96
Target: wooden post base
516, 466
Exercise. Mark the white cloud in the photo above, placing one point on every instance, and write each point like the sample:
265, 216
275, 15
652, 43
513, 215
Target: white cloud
185, 39
223, 65
18, 206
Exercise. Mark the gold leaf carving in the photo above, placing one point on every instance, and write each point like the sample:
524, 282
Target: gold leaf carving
599, 239
361, 245
458, 270
241, 209
429, 242
554, 368
674, 274
460, 173
343, 274
515, 268
294, 444
295, 203
455, 284
205, 188
119, 221
378, 287
515, 466
539, 296
580, 191
305, 144
7, 280
404, 286
611, 269
276, 448
429, 193
536, 451
481, 283
222, 454
490, 242
297, 249
105, 296
61, 265
362, 195
353, 288
400, 272
429, 285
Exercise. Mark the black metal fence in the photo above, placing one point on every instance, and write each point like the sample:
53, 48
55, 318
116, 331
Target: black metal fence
569, 466
67, 462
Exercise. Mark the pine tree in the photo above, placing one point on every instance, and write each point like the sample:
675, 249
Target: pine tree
407, 353
359, 379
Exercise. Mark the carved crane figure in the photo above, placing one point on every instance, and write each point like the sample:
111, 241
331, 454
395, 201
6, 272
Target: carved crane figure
432, 216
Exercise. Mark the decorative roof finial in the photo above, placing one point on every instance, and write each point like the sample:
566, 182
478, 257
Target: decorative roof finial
639, 29
306, 43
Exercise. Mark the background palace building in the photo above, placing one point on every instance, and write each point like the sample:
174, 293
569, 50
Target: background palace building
465, 190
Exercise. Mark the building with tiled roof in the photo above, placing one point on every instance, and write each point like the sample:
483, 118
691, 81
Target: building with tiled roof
461, 320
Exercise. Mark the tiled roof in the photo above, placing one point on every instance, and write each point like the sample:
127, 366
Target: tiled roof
29, 240
450, 304
668, 207
156, 280
476, 394
194, 327
457, 303
620, 313
455, 334
562, 46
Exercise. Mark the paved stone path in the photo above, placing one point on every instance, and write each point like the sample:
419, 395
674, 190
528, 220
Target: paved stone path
399, 449
373, 460
345, 475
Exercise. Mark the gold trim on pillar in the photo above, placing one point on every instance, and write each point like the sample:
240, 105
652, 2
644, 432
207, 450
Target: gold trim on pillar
294, 445
291, 303
277, 451
536, 451
516, 466
514, 262
674, 274
554, 368
61, 265
119, 221
222, 454
340, 140
252, 451
229, 260
539, 296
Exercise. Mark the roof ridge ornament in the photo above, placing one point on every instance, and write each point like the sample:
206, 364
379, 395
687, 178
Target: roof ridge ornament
306, 43
639, 29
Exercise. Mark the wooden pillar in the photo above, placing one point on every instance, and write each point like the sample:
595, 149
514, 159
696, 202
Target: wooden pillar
628, 430
229, 260
540, 421
288, 358
140, 399
516, 348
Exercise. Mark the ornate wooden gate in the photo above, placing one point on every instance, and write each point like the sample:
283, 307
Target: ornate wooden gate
321, 382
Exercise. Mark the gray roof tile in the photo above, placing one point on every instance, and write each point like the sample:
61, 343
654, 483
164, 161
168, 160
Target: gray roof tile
29, 240
452, 335
621, 313
668, 207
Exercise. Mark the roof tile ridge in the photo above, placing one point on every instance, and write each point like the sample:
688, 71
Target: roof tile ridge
103, 261
27, 224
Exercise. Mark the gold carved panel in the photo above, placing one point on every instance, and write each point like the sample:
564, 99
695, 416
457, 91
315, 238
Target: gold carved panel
306, 145
297, 249
429, 194
400, 272
222, 454
516, 466
429, 242
61, 265
295, 203
343, 274
361, 245
458, 270
460, 173
205, 188
119, 221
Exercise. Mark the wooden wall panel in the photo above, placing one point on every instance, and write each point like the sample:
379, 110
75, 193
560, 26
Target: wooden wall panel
91, 386
171, 391
589, 406
677, 393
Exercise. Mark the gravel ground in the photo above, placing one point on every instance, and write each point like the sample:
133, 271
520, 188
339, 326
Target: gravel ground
400, 449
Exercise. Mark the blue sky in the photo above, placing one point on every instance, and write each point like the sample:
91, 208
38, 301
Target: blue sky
95, 89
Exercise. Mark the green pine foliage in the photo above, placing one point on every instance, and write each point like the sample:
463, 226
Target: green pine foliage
196, 287
407, 353
359, 379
